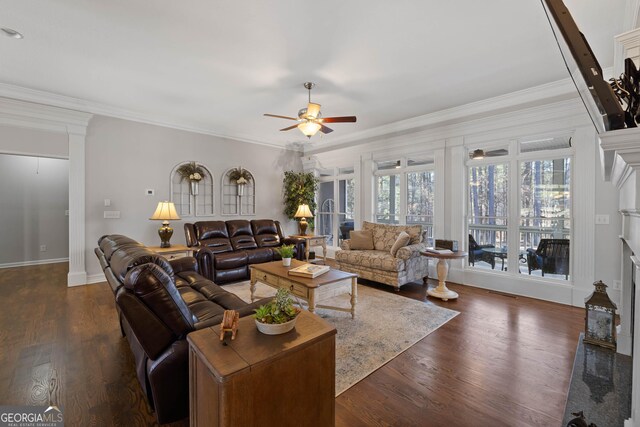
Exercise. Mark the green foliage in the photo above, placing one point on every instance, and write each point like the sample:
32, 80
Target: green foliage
285, 251
299, 188
279, 310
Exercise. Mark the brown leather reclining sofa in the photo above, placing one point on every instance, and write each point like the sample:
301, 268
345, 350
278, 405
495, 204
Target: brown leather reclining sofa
227, 248
159, 302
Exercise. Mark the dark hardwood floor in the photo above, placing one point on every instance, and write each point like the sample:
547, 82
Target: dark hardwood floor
503, 361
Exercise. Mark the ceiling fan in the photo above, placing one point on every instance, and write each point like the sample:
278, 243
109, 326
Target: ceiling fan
481, 154
310, 120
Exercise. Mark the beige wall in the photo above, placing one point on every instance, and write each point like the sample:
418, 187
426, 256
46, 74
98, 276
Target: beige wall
123, 158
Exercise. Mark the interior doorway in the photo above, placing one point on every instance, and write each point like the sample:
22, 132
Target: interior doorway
34, 210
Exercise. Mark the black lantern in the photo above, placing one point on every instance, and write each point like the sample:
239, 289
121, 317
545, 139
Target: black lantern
600, 325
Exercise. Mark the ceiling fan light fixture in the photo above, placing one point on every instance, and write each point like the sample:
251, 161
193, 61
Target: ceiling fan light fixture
309, 128
478, 154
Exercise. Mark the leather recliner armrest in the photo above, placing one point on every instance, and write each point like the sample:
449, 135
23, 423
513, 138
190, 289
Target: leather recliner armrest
188, 263
206, 268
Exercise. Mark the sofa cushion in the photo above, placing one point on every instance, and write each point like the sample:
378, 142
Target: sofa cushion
230, 260
111, 243
128, 257
243, 242
217, 245
239, 227
379, 260
361, 239
210, 230
402, 241
259, 255
156, 289
385, 235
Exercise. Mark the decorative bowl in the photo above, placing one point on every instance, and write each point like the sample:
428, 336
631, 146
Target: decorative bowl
276, 328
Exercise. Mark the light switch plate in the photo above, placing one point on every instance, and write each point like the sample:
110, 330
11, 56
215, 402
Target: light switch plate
112, 214
602, 219
107, 202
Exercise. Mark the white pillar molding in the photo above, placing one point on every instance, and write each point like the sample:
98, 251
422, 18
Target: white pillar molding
584, 206
74, 125
457, 195
441, 192
635, 377
625, 308
77, 271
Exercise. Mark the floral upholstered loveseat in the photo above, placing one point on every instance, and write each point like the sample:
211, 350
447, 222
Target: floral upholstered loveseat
378, 264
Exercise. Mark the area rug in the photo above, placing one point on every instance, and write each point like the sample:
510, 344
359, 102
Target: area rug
385, 326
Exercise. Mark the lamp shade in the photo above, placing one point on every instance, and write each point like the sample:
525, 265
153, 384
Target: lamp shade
303, 212
165, 211
309, 128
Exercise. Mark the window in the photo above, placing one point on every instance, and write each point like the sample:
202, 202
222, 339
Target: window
405, 192
336, 205
545, 204
388, 199
420, 199
488, 209
508, 232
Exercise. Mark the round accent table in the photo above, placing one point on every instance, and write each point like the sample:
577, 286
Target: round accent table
443, 269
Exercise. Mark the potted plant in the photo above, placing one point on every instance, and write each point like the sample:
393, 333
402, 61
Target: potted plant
278, 316
299, 188
193, 173
241, 177
286, 252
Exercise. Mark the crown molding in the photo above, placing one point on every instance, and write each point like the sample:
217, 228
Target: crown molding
48, 99
554, 91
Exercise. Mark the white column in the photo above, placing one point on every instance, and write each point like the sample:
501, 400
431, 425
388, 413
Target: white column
366, 187
77, 271
441, 194
584, 206
625, 307
635, 384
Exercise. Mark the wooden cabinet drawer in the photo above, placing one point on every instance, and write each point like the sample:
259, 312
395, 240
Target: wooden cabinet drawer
265, 277
294, 288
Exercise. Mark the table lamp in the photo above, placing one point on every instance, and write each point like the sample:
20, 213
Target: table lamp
303, 212
164, 212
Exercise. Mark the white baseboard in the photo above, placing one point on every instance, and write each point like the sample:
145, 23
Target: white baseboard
96, 278
34, 262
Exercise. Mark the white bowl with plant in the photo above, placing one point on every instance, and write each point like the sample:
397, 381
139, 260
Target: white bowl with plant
277, 316
286, 252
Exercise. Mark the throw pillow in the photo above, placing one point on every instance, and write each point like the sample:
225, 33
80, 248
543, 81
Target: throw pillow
362, 240
402, 241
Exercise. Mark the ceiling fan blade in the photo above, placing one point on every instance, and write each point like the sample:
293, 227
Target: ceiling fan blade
289, 128
280, 117
313, 110
325, 129
343, 119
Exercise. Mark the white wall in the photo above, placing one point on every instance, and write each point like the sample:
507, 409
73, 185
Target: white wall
123, 158
35, 195
18, 140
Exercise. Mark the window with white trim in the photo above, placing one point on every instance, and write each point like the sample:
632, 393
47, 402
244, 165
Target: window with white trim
336, 199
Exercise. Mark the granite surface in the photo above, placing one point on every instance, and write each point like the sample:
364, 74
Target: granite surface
600, 386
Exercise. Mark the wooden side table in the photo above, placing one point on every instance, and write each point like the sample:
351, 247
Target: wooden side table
173, 251
257, 379
442, 291
313, 240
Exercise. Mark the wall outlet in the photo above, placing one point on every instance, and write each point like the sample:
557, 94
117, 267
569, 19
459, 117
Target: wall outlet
43, 248
617, 284
602, 219
112, 214
66, 213
107, 202
149, 192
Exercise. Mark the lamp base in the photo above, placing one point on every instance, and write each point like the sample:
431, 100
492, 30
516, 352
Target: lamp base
303, 227
165, 232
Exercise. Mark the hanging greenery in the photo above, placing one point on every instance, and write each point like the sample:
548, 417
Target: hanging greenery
299, 188
191, 172
240, 175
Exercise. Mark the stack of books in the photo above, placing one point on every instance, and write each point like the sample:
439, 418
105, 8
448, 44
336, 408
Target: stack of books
309, 270
438, 251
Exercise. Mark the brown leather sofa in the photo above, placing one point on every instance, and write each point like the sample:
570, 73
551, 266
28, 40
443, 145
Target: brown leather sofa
159, 302
227, 248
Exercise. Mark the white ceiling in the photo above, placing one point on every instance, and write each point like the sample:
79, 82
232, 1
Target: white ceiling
219, 65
